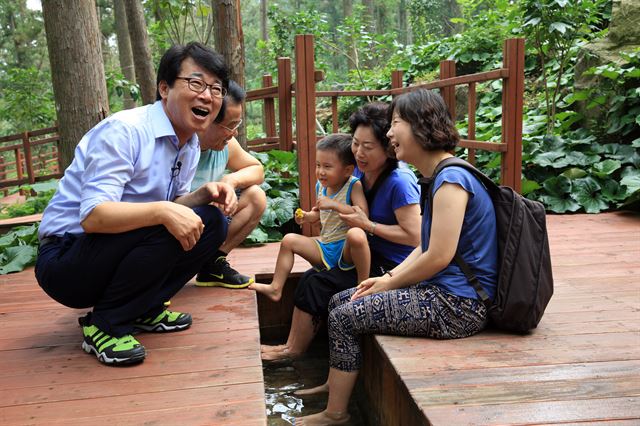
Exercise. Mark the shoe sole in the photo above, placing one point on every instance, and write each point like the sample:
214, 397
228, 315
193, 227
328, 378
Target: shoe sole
222, 284
162, 328
112, 361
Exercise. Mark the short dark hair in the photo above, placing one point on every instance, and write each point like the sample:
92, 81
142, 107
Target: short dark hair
340, 143
202, 55
235, 95
376, 116
429, 118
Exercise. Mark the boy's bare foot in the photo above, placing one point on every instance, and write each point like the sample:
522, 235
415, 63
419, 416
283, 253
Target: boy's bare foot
279, 356
323, 419
273, 348
268, 290
323, 388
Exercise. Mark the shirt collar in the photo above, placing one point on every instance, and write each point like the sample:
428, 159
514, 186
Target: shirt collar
162, 126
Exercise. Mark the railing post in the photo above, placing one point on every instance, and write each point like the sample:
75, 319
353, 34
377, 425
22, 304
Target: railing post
28, 159
448, 70
471, 117
512, 98
269, 111
285, 115
396, 79
306, 121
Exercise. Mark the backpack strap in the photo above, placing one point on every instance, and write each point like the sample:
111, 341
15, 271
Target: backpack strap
425, 195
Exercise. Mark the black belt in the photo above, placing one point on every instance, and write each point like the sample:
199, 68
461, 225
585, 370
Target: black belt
50, 239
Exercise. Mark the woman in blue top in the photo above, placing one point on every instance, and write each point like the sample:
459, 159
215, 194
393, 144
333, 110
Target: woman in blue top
427, 294
392, 228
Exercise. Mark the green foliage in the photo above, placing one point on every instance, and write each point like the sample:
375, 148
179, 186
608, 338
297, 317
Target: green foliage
118, 87
26, 100
34, 203
554, 27
281, 186
18, 249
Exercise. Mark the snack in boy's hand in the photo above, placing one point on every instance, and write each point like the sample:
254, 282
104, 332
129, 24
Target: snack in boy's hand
299, 213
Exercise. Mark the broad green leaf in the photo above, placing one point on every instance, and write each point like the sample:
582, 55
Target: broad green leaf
561, 27
560, 204
632, 182
8, 240
547, 159
557, 185
575, 158
257, 236
529, 186
605, 167
635, 143
574, 173
18, 258
586, 191
612, 191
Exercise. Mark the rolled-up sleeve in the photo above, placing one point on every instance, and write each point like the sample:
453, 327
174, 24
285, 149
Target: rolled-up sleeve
109, 165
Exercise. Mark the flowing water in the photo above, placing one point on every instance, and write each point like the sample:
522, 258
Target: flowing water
282, 379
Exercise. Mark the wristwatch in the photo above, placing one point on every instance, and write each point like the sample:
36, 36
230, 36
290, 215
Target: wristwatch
373, 227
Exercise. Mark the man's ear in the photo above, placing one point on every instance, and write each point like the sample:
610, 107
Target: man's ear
163, 89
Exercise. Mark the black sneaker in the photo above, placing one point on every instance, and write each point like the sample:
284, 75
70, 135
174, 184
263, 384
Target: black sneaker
165, 321
220, 274
112, 350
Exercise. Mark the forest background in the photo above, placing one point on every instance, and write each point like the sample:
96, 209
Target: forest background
581, 141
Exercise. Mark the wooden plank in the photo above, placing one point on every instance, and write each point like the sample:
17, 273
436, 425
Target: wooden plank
587, 410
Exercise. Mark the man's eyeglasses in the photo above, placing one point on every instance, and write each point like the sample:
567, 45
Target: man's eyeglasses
231, 129
197, 85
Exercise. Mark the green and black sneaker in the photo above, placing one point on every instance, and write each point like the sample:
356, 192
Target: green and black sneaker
220, 274
165, 321
112, 350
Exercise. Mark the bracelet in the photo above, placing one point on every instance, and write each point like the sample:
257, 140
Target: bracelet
389, 272
373, 227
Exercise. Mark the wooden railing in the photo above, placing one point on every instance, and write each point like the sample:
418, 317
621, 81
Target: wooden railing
279, 132
305, 95
29, 157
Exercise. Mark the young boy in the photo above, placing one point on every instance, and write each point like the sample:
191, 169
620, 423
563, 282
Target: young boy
337, 192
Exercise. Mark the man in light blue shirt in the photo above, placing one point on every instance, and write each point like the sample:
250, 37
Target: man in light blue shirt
123, 233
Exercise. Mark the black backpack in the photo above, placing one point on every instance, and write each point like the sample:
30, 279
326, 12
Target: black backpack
525, 281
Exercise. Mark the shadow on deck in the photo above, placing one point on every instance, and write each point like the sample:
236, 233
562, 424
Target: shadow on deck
580, 365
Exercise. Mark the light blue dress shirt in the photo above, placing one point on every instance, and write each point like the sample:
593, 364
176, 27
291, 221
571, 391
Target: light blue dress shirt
131, 156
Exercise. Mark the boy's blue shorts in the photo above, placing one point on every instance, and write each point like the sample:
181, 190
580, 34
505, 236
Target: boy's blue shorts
332, 255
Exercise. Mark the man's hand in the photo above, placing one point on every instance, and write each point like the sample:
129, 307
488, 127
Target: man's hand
222, 195
183, 223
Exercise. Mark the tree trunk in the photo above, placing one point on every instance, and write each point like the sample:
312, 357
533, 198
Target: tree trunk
77, 72
124, 50
402, 21
145, 76
347, 7
371, 14
230, 43
264, 30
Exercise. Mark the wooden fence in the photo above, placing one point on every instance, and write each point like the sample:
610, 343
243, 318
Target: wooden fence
279, 130
29, 157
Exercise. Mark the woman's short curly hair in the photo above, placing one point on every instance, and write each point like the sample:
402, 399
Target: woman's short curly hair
429, 118
376, 116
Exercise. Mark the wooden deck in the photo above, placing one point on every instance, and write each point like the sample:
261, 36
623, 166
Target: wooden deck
208, 374
581, 365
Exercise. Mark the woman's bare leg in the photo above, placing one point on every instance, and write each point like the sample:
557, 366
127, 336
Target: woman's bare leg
303, 330
341, 385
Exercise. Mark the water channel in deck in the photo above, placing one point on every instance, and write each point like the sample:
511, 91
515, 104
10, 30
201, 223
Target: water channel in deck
282, 379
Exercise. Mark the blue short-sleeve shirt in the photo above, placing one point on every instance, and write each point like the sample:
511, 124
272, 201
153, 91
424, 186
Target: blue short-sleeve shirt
398, 190
478, 244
